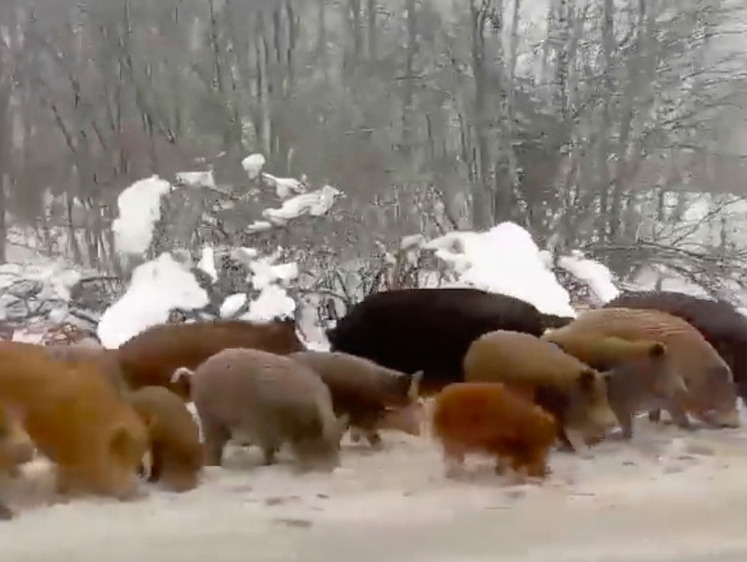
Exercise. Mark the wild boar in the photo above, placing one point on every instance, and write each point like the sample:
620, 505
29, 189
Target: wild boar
371, 395
487, 417
572, 391
252, 396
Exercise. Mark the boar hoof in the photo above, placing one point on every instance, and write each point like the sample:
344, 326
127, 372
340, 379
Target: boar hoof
375, 440
270, 454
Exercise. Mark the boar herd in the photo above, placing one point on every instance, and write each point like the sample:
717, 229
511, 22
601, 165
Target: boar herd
506, 380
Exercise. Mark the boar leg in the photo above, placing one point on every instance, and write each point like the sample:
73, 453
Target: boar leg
374, 439
270, 452
624, 418
679, 416
216, 436
156, 467
654, 416
5, 512
576, 440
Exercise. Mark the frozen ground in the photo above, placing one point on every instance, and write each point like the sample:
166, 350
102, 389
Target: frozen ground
667, 496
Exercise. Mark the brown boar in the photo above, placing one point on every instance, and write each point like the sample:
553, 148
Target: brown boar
252, 396
643, 377
711, 393
371, 395
176, 452
572, 391
76, 419
151, 357
487, 417
720, 323
105, 359
16, 448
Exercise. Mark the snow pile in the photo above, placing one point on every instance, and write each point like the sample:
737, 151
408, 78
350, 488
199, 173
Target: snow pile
253, 165
272, 281
196, 179
505, 260
156, 288
596, 276
314, 204
139, 210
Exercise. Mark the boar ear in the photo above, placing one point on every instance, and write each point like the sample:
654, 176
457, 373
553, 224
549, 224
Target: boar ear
586, 380
414, 389
657, 349
150, 419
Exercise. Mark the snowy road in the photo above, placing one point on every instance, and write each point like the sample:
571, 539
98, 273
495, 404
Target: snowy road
656, 502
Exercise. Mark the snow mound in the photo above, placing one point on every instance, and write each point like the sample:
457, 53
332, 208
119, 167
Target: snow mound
284, 187
595, 275
196, 179
156, 288
315, 204
253, 165
232, 305
504, 260
139, 210
272, 303
207, 262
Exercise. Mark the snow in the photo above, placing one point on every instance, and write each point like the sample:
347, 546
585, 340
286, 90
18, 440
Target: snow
397, 504
505, 260
232, 305
253, 165
315, 204
139, 210
596, 275
207, 262
155, 289
196, 179
273, 302
264, 272
284, 187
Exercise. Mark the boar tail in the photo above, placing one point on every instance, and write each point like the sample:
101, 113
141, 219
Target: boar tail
179, 373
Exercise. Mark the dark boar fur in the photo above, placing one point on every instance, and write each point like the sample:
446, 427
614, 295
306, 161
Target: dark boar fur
151, 357
365, 391
429, 329
640, 376
719, 322
256, 397
711, 394
489, 418
572, 391
177, 455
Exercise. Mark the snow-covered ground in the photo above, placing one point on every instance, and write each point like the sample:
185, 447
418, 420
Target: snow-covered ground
666, 496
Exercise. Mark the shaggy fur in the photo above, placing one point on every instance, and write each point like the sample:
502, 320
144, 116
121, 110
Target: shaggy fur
151, 357
104, 359
643, 376
429, 329
491, 419
366, 392
176, 452
76, 419
256, 397
569, 389
718, 321
711, 394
